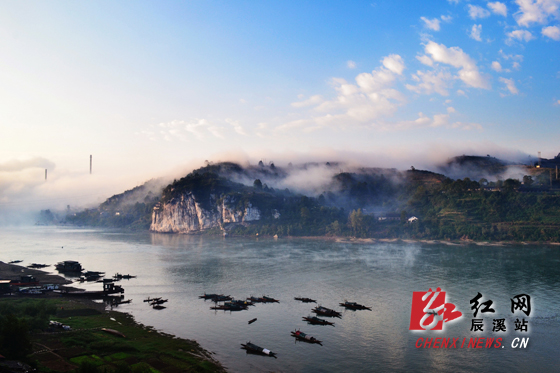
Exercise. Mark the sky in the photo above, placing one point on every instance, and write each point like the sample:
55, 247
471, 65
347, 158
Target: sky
152, 88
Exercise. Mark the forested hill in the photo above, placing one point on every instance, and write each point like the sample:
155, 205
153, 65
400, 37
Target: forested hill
333, 200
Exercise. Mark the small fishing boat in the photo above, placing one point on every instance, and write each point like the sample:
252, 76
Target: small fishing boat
269, 300
301, 336
254, 349
252, 321
149, 300
317, 321
15, 261
37, 265
118, 276
208, 296
69, 266
324, 311
354, 306
158, 301
158, 307
305, 300
255, 299
229, 306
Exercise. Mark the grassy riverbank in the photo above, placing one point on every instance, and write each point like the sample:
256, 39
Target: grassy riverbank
88, 348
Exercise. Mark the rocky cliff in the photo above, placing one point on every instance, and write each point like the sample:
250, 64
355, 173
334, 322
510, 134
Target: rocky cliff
184, 214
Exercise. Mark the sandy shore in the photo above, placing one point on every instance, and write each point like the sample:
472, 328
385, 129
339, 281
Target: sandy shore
14, 272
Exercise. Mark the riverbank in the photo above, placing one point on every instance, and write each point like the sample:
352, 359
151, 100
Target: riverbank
91, 340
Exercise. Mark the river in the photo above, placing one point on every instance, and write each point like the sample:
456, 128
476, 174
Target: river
380, 275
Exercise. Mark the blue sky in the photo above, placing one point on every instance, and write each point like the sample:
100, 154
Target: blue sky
152, 87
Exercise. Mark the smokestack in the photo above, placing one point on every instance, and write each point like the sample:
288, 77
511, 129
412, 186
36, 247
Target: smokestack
539, 159
91, 160
45, 174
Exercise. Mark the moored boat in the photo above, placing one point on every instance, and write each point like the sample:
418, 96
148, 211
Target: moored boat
69, 266
254, 349
301, 336
317, 321
354, 306
305, 300
324, 311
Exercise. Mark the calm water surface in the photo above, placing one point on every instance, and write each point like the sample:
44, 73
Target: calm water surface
380, 275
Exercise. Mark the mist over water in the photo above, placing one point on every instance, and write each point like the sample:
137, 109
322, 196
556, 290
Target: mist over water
380, 275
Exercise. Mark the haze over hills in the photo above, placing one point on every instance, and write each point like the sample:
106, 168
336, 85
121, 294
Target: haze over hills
333, 198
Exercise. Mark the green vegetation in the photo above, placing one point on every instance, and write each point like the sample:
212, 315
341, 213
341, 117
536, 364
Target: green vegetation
87, 348
374, 203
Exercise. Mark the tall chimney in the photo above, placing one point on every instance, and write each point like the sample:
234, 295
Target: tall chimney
90, 162
45, 174
539, 159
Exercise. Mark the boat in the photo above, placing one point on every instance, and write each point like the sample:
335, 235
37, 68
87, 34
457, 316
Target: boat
158, 307
317, 321
118, 276
301, 336
69, 266
208, 296
109, 288
305, 300
324, 311
354, 306
269, 300
113, 332
151, 299
230, 306
37, 265
254, 349
242, 302
252, 321
255, 299
158, 301
15, 261
216, 297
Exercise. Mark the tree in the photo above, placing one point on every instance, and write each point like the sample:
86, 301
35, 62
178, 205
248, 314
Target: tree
257, 184
527, 180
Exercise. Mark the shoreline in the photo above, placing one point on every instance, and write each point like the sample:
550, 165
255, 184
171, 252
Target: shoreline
13, 271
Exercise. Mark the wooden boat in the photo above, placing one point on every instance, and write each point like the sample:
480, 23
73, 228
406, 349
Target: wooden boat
15, 261
151, 299
324, 311
69, 266
37, 266
317, 321
269, 300
305, 300
208, 296
301, 336
229, 306
354, 306
254, 349
118, 276
158, 307
255, 299
252, 321
158, 301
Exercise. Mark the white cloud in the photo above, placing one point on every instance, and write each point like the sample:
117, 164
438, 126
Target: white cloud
498, 8
425, 60
552, 32
496, 66
432, 24
476, 30
558, 102
516, 66
535, 11
395, 63
313, 100
510, 85
351, 64
446, 18
455, 57
460, 92
476, 11
236, 126
450, 110
372, 97
454, 1
431, 82
521, 35
515, 57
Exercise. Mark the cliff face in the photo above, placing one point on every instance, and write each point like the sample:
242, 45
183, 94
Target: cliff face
184, 214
